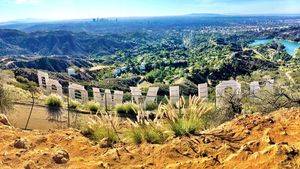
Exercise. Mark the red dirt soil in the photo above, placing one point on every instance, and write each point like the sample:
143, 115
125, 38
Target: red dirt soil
249, 141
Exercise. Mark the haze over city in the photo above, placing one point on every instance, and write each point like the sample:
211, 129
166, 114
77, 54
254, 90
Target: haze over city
82, 9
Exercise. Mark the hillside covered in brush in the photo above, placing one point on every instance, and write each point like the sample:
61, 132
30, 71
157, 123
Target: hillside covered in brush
156, 57
13, 42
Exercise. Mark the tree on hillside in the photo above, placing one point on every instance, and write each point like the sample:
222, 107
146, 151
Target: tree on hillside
231, 104
280, 97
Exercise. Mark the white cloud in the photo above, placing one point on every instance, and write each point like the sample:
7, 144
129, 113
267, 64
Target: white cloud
26, 1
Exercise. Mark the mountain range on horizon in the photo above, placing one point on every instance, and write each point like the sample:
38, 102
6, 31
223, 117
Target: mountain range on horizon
41, 20
134, 24
107, 36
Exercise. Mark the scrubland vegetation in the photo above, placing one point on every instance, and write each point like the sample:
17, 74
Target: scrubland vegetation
164, 58
102, 129
73, 104
183, 119
155, 123
192, 115
92, 106
127, 110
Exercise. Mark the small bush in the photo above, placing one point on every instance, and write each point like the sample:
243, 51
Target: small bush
185, 117
74, 105
135, 135
154, 136
151, 106
105, 132
25, 84
54, 101
127, 110
5, 100
97, 132
182, 126
22, 79
127, 97
101, 128
150, 133
93, 106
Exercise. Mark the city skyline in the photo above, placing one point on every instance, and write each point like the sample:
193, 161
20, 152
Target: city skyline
80, 9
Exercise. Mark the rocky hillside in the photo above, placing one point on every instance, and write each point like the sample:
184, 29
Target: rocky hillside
249, 141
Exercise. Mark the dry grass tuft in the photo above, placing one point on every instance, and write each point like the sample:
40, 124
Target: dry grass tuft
185, 117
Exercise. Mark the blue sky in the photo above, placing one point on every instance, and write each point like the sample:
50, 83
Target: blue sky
78, 9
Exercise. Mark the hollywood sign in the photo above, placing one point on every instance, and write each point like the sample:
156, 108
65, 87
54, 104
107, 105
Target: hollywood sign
79, 93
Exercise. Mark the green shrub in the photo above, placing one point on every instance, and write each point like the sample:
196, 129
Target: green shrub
135, 135
93, 106
163, 99
178, 128
73, 104
185, 117
25, 84
98, 132
54, 104
127, 110
154, 136
102, 129
151, 106
182, 126
22, 79
5, 100
150, 133
54, 101
105, 132
127, 97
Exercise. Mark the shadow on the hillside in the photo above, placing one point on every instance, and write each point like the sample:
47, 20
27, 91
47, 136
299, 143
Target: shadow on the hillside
54, 114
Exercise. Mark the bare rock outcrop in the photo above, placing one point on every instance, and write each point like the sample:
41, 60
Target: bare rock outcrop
21, 143
61, 157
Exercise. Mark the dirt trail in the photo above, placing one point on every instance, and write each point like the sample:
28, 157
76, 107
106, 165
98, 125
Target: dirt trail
249, 141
